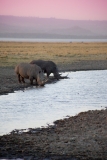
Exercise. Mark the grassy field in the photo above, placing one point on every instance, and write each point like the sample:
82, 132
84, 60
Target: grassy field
12, 53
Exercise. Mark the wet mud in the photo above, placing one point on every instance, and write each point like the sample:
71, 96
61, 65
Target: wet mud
81, 137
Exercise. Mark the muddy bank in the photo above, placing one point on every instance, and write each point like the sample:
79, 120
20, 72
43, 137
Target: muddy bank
81, 137
9, 82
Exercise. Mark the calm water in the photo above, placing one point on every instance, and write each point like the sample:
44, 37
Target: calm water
37, 106
51, 40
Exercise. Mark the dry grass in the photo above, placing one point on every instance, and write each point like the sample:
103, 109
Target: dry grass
12, 53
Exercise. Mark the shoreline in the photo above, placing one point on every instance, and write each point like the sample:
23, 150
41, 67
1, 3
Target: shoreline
9, 82
80, 137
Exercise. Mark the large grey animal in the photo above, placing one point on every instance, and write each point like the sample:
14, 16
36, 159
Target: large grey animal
31, 72
48, 67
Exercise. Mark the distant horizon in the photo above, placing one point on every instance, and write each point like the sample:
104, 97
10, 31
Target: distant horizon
52, 18
31, 27
60, 9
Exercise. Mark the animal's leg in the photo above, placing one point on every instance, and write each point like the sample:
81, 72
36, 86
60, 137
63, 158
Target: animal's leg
36, 82
31, 80
19, 78
48, 75
23, 80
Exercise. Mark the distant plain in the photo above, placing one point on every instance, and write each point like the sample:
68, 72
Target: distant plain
63, 54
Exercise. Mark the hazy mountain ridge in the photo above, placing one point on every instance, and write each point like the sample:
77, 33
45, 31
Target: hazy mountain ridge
34, 27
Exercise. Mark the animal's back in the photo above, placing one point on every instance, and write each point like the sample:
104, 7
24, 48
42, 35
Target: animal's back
45, 64
40, 63
24, 69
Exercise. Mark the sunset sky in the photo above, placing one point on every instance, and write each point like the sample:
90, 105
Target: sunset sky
64, 9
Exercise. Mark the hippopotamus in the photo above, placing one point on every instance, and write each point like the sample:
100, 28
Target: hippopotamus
48, 67
31, 72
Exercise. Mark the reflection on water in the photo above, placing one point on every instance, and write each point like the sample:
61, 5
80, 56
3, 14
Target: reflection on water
37, 106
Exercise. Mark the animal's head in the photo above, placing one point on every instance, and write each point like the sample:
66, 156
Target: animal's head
56, 73
57, 76
41, 80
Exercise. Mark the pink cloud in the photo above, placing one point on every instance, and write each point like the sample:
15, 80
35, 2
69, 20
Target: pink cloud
65, 9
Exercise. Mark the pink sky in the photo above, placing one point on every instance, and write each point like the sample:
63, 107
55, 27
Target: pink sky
64, 9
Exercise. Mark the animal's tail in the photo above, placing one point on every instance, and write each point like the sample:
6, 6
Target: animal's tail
17, 69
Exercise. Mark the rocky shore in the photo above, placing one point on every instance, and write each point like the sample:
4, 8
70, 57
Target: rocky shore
82, 137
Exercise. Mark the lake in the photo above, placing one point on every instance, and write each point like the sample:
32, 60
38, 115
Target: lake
50, 40
39, 106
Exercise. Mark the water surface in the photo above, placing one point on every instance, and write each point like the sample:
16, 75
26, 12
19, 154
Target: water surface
50, 40
38, 106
